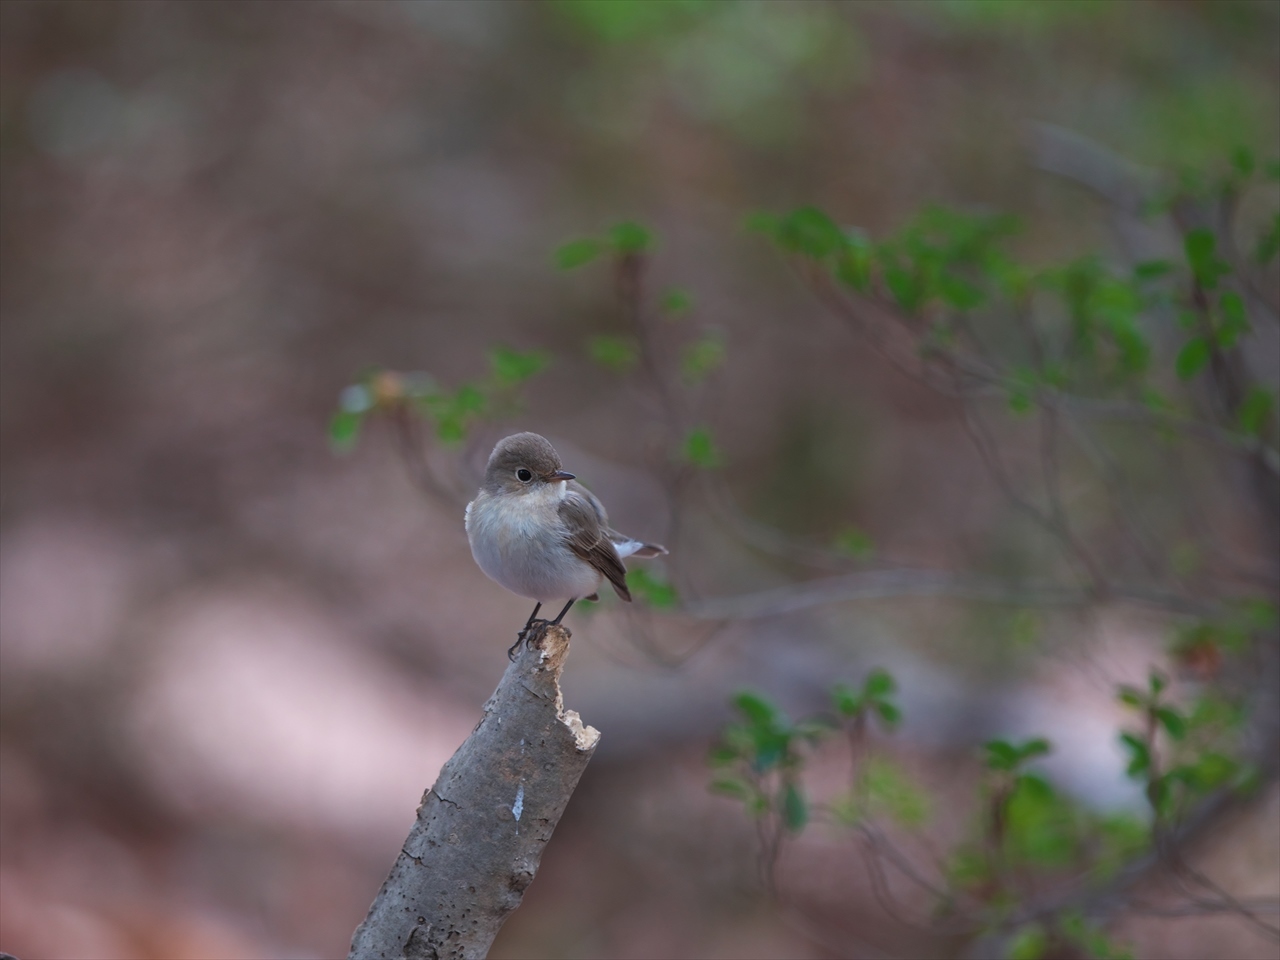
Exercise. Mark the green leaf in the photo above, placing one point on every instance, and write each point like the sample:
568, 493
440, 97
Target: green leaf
739, 740
1029, 943
771, 748
853, 266
1092, 940
1157, 681
1162, 795
847, 703
634, 22
1254, 411
1041, 826
959, 294
1243, 161
1019, 401
453, 412
1201, 249
731, 787
879, 683
1151, 269
1021, 386
616, 353
630, 237
795, 809
344, 430
1192, 358
676, 301
701, 357
1131, 696
809, 231
1123, 836
451, 429
890, 715
651, 588
1233, 320
906, 287
1173, 722
969, 868
1212, 770
513, 366
469, 398
1132, 347
722, 755
757, 708
1001, 755
855, 543
1035, 786
1139, 755
700, 449
1155, 401
576, 253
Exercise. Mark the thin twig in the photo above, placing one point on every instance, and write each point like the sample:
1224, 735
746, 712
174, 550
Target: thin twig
906, 582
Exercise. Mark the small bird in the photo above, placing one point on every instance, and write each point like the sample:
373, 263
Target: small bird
537, 531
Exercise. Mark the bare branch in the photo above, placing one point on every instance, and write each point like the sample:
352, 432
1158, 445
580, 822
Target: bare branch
1053, 522
410, 440
480, 831
902, 582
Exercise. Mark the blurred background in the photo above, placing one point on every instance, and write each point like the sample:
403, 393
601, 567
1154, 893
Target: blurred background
233, 659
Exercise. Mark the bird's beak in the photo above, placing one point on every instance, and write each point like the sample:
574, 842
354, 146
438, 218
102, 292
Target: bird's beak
558, 475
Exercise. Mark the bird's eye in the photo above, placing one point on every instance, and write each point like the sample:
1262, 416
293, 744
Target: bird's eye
523, 475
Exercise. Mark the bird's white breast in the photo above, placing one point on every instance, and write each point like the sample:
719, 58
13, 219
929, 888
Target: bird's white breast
519, 541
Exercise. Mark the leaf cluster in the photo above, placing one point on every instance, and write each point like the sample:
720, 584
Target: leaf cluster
759, 758
624, 239
874, 698
419, 395
944, 268
626, 246
652, 588
1203, 746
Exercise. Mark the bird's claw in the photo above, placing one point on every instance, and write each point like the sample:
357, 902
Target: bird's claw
528, 635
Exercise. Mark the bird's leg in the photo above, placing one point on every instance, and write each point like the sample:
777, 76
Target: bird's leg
524, 632
560, 616
529, 623
525, 635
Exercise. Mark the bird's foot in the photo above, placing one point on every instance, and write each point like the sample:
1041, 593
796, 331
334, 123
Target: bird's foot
530, 634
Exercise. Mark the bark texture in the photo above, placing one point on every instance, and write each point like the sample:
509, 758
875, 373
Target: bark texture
481, 830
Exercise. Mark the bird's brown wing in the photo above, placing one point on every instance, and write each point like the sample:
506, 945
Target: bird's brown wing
641, 549
574, 487
585, 537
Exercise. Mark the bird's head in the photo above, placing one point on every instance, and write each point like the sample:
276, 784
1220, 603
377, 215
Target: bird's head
521, 464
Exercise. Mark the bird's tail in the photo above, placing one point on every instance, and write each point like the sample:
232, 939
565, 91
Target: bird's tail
634, 548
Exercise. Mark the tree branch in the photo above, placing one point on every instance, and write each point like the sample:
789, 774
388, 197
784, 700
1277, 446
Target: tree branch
481, 830
908, 582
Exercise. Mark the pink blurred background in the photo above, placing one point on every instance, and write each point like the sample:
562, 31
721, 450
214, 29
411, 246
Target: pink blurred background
232, 660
